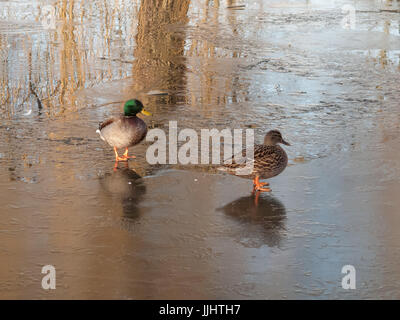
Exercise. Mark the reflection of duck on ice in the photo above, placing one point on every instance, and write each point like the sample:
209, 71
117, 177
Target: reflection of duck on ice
126, 186
262, 222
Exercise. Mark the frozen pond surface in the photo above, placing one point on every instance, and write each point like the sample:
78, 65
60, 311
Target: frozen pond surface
184, 232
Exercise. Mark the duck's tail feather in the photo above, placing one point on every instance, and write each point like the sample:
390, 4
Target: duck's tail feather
101, 136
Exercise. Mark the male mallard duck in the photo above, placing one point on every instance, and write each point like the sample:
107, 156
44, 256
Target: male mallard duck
269, 160
125, 131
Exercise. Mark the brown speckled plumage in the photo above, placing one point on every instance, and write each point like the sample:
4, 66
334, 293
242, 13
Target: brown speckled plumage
269, 161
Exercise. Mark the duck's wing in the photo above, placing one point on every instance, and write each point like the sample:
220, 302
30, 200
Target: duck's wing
104, 124
268, 158
265, 158
240, 159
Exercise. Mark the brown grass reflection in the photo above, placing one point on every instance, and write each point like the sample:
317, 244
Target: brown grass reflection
159, 52
46, 69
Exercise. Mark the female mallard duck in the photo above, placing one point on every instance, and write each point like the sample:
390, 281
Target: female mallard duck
269, 160
125, 131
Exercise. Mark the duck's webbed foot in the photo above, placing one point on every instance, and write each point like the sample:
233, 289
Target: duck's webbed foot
258, 186
126, 156
117, 157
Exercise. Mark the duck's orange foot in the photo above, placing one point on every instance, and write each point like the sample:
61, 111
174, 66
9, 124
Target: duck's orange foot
118, 158
258, 189
261, 189
258, 186
126, 156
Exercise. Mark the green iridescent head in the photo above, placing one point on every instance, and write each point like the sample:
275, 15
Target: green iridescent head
133, 107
